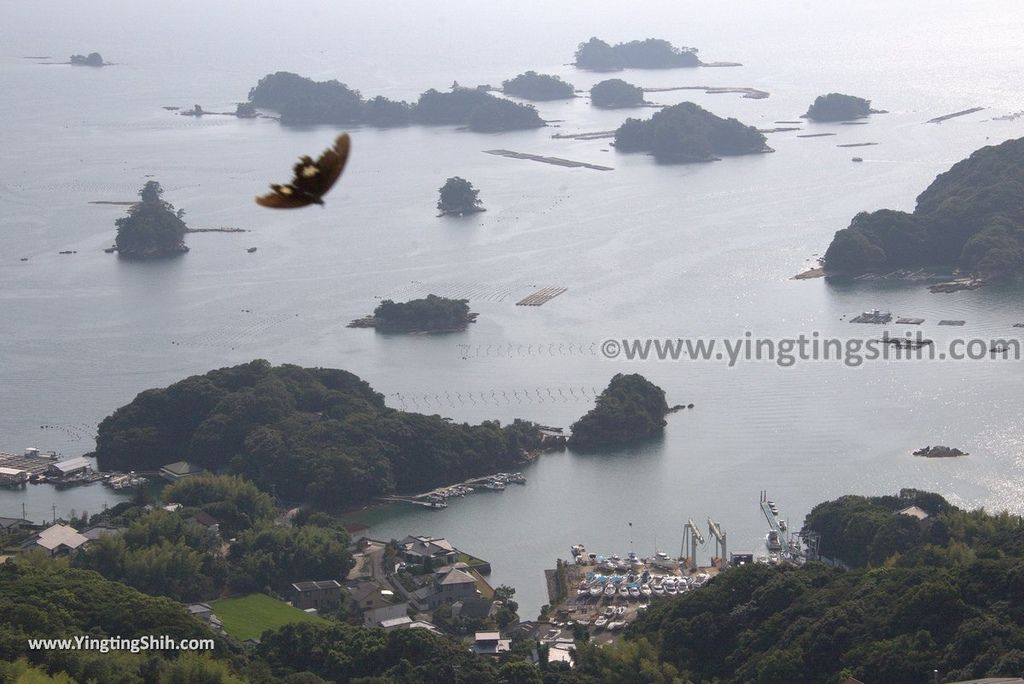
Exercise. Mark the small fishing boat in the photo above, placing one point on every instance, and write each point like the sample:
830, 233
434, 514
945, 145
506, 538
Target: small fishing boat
634, 591
624, 592
600, 622
596, 591
609, 590
645, 589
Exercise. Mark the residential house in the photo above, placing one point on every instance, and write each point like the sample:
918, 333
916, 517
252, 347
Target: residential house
204, 612
8, 525
323, 595
454, 585
56, 540
490, 643
376, 604
206, 520
434, 552
172, 472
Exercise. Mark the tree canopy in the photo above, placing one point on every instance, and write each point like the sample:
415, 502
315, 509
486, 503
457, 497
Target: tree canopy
614, 93
924, 594
92, 59
533, 86
651, 53
301, 100
152, 227
430, 314
688, 133
971, 217
838, 107
457, 197
318, 435
629, 409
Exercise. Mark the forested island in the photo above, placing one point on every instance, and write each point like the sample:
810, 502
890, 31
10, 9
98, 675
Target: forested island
303, 101
315, 435
688, 133
631, 408
152, 228
93, 59
458, 197
430, 314
541, 87
838, 107
971, 217
652, 53
615, 93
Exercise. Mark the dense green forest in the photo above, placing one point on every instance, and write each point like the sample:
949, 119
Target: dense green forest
533, 86
970, 217
167, 553
44, 598
838, 107
152, 227
432, 313
614, 93
630, 408
458, 197
936, 594
688, 133
307, 434
652, 53
301, 100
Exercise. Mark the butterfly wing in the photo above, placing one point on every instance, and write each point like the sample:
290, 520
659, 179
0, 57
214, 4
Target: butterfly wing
312, 179
283, 197
317, 178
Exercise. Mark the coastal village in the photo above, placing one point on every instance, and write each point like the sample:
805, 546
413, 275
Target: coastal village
425, 582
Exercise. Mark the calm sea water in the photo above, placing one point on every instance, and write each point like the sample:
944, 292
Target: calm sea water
645, 250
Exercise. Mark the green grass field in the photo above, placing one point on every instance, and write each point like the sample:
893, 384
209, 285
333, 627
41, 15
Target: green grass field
249, 616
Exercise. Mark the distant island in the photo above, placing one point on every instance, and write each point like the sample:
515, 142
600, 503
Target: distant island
458, 197
652, 53
615, 93
688, 133
970, 218
430, 314
838, 107
317, 435
631, 408
93, 59
533, 86
302, 101
940, 452
152, 228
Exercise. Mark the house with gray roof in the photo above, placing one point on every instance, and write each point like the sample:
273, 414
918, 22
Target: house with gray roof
56, 540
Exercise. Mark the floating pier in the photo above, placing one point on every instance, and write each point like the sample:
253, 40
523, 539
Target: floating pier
875, 316
910, 321
541, 296
952, 322
594, 135
947, 117
556, 161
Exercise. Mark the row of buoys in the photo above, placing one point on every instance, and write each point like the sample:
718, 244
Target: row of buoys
496, 397
510, 350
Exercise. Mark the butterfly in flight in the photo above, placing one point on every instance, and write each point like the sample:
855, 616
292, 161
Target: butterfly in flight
312, 178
